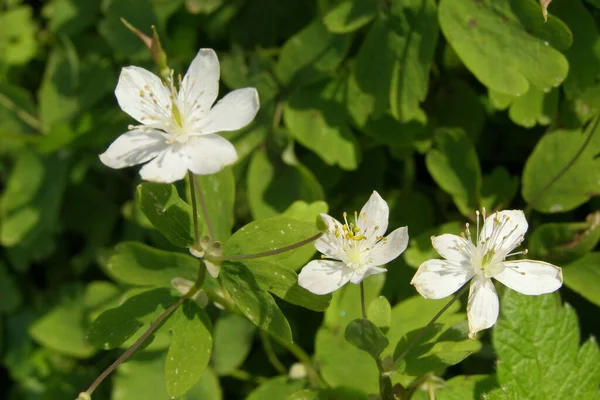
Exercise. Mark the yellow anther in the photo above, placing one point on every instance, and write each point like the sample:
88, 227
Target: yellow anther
337, 233
141, 93
356, 229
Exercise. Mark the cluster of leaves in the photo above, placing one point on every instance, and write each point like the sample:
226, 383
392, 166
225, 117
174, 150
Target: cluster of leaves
442, 107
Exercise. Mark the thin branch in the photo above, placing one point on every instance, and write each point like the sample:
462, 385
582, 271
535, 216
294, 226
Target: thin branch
22, 114
362, 300
267, 253
153, 327
429, 325
207, 220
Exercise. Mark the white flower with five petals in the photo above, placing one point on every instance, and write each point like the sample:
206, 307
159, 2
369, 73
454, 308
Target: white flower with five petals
482, 260
353, 251
178, 131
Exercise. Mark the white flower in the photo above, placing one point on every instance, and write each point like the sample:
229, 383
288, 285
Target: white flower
353, 251
178, 131
482, 260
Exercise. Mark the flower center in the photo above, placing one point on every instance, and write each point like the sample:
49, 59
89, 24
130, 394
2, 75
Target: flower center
488, 257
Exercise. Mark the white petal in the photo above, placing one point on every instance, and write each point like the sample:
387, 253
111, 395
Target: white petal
232, 112
531, 277
504, 230
208, 154
142, 95
182, 285
328, 244
212, 268
169, 166
133, 148
324, 276
359, 275
453, 247
436, 279
483, 306
200, 85
375, 213
389, 247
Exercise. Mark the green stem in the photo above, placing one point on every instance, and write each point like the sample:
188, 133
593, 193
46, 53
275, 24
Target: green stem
362, 300
22, 114
267, 253
246, 376
564, 170
194, 209
151, 329
305, 359
207, 220
385, 383
268, 346
429, 325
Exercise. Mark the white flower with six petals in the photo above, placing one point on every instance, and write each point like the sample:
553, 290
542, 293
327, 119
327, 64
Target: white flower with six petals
482, 260
178, 131
353, 251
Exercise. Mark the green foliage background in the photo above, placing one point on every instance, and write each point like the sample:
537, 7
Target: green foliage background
441, 106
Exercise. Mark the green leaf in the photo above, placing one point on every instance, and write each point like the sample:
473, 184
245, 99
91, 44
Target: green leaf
574, 187
498, 188
233, 336
62, 327
584, 54
512, 32
18, 44
438, 350
167, 212
274, 186
71, 85
283, 283
337, 393
380, 312
113, 327
310, 55
10, 294
143, 377
219, 196
303, 211
349, 16
271, 234
454, 166
276, 388
317, 118
364, 335
345, 304
70, 16
534, 107
391, 71
415, 33
458, 105
124, 43
583, 276
257, 305
561, 243
141, 265
463, 387
526, 339
189, 352
335, 354
30, 206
